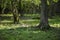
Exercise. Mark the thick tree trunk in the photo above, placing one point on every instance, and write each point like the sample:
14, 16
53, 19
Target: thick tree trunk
44, 17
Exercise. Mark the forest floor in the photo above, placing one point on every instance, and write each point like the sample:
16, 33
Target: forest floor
26, 30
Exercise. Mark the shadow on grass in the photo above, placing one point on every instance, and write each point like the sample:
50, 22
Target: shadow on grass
29, 33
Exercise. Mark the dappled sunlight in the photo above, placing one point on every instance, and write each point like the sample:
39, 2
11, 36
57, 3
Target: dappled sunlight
4, 21
13, 26
29, 20
22, 33
55, 25
36, 31
55, 22
27, 23
6, 14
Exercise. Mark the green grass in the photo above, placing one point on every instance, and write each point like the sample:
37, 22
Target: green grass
26, 31
55, 22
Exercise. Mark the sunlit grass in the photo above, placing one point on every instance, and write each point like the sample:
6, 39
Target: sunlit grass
6, 15
28, 23
25, 31
28, 33
55, 22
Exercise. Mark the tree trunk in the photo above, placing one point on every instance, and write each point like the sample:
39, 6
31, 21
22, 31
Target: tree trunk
0, 9
44, 17
15, 13
20, 9
51, 8
3, 10
16, 16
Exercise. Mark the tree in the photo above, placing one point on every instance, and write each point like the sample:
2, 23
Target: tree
44, 16
4, 2
20, 8
52, 6
0, 9
15, 11
58, 8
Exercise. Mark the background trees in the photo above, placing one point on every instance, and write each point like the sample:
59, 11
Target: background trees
23, 19
20, 7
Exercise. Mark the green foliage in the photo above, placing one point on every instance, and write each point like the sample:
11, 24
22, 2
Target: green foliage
27, 6
56, 1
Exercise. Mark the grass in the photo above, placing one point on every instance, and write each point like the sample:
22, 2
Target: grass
26, 30
55, 22
29, 33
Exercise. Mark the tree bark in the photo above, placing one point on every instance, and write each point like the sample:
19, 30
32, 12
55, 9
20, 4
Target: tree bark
16, 16
15, 13
51, 8
44, 16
